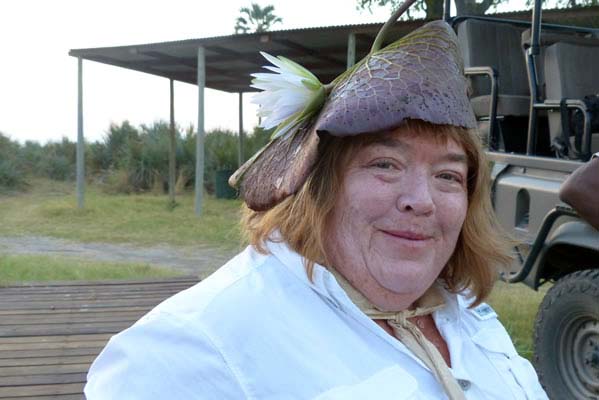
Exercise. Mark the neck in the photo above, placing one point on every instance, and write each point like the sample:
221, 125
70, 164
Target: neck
388, 306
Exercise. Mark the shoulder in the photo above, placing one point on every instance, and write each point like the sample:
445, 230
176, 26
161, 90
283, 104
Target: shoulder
175, 350
223, 283
158, 358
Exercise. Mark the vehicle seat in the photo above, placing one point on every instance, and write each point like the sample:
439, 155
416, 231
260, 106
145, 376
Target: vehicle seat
570, 71
548, 38
495, 44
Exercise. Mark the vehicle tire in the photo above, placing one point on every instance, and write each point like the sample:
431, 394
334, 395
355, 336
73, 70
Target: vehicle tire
566, 338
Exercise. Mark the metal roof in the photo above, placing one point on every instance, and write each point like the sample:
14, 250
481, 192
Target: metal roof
231, 59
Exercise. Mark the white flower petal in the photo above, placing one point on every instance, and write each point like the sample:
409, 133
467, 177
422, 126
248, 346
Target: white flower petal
286, 94
273, 69
273, 60
265, 78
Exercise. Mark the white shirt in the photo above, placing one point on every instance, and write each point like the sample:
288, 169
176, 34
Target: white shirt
259, 329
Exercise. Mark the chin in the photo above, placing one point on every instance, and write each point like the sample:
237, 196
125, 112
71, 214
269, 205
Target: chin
408, 279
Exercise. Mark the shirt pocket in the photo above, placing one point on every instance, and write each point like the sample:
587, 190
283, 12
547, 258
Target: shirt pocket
515, 371
393, 382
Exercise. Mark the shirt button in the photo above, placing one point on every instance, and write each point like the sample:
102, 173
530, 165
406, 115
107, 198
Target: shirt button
464, 384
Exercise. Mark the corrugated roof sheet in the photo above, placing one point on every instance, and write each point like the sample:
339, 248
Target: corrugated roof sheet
231, 59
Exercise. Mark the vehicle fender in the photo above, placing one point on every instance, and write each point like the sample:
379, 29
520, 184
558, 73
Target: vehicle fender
575, 233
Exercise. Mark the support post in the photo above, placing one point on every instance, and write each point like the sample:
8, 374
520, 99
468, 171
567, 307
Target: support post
351, 50
446, 10
80, 141
172, 150
241, 138
531, 63
199, 180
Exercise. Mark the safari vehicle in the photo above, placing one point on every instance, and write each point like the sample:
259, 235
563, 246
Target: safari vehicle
528, 86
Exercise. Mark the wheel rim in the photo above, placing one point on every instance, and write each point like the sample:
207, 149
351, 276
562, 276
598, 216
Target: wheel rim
579, 366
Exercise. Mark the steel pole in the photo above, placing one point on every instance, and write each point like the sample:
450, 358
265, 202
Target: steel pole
351, 50
199, 179
241, 138
80, 140
172, 166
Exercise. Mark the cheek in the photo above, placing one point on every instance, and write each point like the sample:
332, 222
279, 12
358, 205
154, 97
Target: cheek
368, 197
452, 214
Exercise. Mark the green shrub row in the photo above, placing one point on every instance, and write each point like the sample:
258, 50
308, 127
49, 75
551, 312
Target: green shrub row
128, 158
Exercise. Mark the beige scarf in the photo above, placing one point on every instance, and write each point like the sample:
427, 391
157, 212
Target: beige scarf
409, 334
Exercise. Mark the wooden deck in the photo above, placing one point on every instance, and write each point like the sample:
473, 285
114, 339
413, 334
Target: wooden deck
51, 332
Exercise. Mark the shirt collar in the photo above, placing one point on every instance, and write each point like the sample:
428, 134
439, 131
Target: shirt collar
296, 264
324, 282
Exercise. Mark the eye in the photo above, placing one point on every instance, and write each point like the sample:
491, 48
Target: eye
382, 164
452, 177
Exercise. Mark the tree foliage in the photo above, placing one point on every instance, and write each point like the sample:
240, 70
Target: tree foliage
433, 9
256, 19
128, 159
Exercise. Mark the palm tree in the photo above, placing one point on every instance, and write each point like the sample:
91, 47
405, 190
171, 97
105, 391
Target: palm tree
256, 17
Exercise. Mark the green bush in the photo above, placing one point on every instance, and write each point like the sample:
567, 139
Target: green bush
140, 155
118, 141
186, 159
254, 142
116, 182
58, 160
97, 158
220, 153
30, 156
11, 169
130, 159
11, 176
58, 167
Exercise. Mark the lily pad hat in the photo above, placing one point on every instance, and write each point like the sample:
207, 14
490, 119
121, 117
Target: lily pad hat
420, 76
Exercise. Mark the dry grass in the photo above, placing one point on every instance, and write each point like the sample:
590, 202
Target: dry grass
517, 305
50, 209
21, 268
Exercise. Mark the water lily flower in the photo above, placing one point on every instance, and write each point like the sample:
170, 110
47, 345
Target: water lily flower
290, 96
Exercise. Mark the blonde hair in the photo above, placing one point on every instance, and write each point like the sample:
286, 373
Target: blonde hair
301, 219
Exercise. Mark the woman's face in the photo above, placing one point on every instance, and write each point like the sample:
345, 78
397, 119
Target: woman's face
398, 216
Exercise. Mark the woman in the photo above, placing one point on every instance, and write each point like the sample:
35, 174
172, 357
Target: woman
372, 247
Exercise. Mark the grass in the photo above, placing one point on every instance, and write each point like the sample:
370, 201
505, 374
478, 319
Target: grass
517, 305
22, 268
49, 209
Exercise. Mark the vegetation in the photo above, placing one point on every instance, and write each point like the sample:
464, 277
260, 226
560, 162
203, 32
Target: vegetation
49, 209
517, 305
16, 269
12, 176
256, 19
127, 160
433, 9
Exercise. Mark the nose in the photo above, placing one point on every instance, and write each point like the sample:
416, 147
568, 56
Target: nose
415, 195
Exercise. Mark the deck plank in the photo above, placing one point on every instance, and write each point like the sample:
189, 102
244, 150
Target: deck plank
51, 332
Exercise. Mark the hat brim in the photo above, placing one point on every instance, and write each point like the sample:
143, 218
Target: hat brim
278, 171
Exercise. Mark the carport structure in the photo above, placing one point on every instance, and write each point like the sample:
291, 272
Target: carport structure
225, 63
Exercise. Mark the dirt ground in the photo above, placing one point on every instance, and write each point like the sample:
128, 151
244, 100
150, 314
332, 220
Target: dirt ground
199, 260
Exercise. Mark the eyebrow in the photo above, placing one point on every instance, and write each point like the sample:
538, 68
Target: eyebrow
391, 142
403, 146
455, 157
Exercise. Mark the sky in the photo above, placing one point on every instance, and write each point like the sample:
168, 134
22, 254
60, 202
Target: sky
38, 79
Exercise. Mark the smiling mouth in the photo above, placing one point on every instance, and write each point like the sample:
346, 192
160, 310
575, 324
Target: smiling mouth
409, 236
